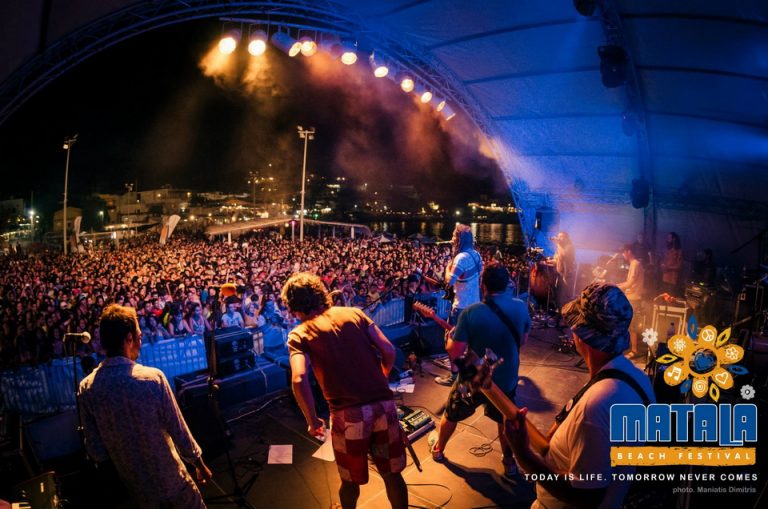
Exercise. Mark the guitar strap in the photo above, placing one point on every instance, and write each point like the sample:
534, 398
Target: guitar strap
602, 375
475, 271
505, 319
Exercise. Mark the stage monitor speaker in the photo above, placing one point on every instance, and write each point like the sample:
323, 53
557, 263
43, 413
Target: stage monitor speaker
234, 350
613, 65
233, 341
585, 7
202, 421
53, 436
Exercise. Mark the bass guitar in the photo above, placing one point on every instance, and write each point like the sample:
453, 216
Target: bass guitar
475, 374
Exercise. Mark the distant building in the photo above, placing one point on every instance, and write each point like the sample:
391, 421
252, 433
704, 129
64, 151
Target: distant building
149, 205
12, 207
72, 213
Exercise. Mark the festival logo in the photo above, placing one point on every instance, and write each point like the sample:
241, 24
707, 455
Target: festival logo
703, 363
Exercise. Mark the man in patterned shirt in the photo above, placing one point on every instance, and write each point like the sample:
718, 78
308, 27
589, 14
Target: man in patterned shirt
130, 417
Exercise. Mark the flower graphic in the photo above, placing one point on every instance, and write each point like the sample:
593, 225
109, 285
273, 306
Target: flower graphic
650, 337
747, 392
704, 365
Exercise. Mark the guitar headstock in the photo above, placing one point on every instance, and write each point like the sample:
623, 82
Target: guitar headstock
476, 372
424, 310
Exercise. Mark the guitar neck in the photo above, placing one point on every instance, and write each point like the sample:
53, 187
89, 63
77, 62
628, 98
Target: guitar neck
442, 323
428, 312
509, 410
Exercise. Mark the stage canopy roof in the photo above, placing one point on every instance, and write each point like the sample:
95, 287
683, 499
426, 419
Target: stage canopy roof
689, 117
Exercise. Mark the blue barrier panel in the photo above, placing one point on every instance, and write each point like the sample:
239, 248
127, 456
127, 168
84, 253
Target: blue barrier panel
60, 389
393, 312
389, 313
176, 356
40, 390
25, 390
49, 388
443, 306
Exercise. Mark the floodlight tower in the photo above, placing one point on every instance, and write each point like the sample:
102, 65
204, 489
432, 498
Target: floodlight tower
68, 142
306, 134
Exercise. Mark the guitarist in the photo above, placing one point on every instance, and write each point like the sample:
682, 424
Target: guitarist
580, 445
501, 323
463, 276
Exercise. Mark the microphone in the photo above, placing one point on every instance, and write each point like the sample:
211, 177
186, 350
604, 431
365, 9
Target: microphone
85, 337
553, 238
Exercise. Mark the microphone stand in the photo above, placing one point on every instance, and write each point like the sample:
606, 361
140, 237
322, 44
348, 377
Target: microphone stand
73, 345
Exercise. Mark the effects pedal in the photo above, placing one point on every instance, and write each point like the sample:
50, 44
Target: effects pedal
414, 422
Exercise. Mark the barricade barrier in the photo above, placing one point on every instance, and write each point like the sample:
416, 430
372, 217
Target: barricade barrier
46, 389
393, 312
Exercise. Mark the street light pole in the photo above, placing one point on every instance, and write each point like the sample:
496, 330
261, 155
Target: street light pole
68, 142
306, 134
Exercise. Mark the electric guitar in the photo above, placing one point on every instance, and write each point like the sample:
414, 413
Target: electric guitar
428, 312
448, 292
475, 374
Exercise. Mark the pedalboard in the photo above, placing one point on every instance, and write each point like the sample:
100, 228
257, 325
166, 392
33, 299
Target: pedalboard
414, 422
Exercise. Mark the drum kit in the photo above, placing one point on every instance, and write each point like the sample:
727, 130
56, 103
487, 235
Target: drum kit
539, 273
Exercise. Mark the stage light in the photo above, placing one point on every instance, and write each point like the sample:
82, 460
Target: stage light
349, 53
229, 41
379, 68
308, 46
424, 95
438, 103
287, 44
447, 112
332, 46
587, 7
406, 81
258, 44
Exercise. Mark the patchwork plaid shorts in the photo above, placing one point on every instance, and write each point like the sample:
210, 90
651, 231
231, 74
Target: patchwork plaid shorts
367, 430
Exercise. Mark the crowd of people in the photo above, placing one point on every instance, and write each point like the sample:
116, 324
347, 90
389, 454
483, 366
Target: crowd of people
146, 291
175, 288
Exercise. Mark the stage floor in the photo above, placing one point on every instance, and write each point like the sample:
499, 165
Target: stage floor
471, 476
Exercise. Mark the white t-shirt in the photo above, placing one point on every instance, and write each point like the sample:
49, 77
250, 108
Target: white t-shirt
581, 445
467, 265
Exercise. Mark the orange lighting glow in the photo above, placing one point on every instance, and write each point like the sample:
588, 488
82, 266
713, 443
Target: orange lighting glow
308, 46
257, 47
295, 49
227, 45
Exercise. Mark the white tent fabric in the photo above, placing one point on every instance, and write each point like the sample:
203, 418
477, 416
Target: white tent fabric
531, 72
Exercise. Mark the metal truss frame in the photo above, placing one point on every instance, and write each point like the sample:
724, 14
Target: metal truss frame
320, 15
613, 27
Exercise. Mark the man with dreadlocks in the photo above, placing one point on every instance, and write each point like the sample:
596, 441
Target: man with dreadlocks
463, 275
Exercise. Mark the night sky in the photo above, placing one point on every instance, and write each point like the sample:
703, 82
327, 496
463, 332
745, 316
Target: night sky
145, 111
